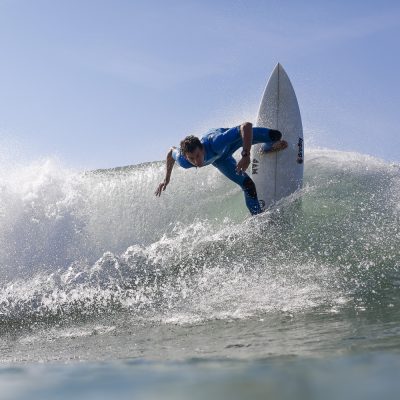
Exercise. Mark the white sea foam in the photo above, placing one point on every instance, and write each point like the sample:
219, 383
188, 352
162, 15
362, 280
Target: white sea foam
83, 243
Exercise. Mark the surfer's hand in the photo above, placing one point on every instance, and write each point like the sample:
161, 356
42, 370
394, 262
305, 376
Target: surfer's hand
161, 187
243, 164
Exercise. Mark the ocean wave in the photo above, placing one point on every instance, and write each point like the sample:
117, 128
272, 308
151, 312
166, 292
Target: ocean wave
78, 245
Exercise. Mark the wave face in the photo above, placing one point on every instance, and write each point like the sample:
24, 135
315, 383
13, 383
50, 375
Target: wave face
78, 245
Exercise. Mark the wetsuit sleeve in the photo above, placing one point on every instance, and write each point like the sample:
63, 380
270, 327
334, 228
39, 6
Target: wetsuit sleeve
224, 138
178, 157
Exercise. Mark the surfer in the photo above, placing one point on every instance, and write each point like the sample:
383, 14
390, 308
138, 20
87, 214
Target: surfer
216, 147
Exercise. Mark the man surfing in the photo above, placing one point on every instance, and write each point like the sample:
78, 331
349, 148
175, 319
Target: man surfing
216, 147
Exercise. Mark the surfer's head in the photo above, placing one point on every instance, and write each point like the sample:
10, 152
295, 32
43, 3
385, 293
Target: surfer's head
193, 150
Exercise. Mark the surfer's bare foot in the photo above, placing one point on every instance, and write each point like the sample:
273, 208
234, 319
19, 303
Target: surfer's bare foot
277, 146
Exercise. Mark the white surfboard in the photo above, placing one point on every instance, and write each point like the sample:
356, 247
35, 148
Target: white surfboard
277, 175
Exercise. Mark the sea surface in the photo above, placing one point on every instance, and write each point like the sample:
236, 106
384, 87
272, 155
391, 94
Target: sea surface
109, 292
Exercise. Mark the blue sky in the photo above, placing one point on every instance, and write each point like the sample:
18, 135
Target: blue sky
110, 83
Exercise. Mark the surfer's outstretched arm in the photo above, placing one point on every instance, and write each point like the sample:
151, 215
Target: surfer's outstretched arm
169, 165
246, 131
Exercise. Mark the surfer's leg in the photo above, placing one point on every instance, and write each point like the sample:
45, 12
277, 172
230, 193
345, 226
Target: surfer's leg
277, 146
269, 137
227, 166
260, 135
265, 135
250, 194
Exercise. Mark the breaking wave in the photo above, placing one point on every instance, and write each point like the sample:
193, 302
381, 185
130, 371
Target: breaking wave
77, 245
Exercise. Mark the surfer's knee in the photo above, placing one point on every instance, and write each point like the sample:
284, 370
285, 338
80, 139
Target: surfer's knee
249, 187
275, 135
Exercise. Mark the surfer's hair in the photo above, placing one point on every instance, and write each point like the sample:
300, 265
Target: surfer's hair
190, 144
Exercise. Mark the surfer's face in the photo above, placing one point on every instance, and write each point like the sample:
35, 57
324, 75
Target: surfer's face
196, 157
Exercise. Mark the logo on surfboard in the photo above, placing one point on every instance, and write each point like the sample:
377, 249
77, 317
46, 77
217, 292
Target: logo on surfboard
254, 166
300, 151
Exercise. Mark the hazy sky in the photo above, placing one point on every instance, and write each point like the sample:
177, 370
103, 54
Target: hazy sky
109, 83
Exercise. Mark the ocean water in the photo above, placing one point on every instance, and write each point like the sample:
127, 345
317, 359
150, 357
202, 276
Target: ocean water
106, 290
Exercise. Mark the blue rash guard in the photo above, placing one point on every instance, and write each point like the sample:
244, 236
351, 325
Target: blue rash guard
219, 145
